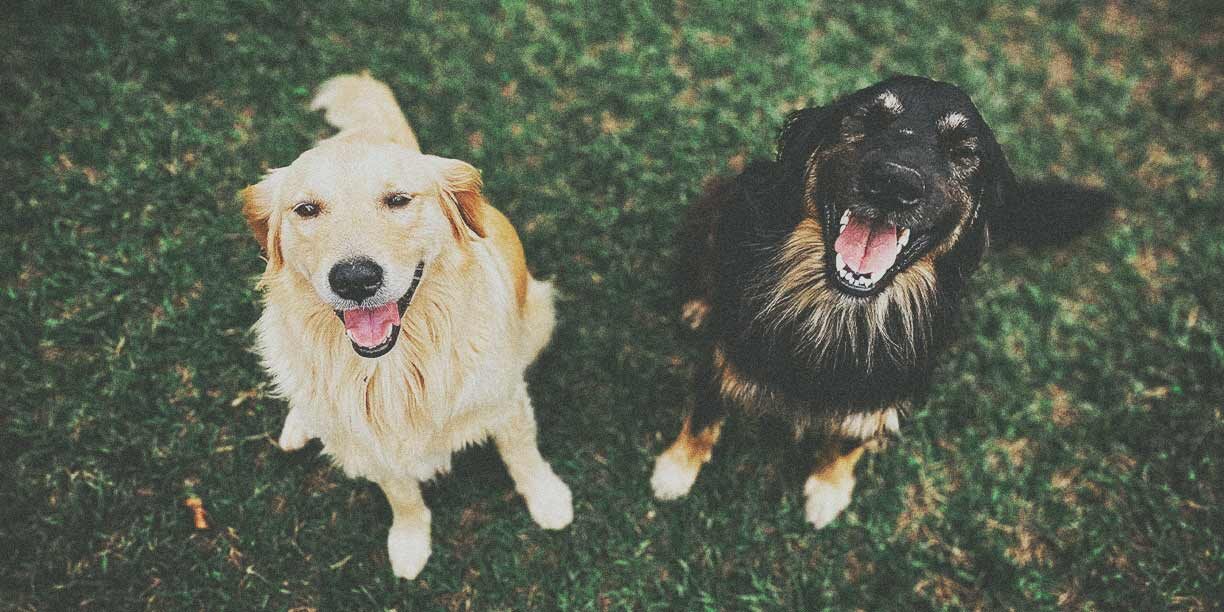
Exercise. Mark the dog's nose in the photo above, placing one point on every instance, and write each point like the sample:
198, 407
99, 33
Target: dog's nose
893, 185
355, 279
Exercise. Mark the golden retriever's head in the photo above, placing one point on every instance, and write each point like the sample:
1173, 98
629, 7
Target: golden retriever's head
361, 223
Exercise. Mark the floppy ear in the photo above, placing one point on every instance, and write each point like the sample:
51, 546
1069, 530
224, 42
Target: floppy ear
803, 132
996, 184
258, 210
462, 200
999, 183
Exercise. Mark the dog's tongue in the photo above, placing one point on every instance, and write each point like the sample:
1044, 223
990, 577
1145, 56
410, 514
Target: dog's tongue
868, 248
368, 327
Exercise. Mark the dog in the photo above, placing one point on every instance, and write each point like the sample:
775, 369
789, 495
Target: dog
399, 315
825, 283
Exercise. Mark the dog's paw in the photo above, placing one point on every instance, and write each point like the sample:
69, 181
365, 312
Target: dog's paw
409, 550
694, 312
672, 477
826, 500
293, 434
550, 502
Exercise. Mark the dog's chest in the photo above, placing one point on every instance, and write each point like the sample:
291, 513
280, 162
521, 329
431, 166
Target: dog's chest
407, 416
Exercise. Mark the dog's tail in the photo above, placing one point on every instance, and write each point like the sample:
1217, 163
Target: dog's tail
361, 102
539, 318
1044, 213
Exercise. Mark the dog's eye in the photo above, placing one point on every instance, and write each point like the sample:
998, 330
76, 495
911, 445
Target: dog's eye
878, 115
398, 200
306, 210
964, 151
852, 123
867, 119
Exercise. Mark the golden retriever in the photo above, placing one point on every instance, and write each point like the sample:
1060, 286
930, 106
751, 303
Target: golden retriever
399, 315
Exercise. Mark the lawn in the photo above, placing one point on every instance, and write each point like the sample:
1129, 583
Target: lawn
1071, 454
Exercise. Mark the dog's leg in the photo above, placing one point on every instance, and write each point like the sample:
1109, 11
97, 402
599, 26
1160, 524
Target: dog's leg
294, 434
829, 486
408, 540
548, 498
677, 467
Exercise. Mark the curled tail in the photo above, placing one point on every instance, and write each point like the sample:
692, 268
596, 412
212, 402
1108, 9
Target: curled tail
359, 102
539, 318
1044, 213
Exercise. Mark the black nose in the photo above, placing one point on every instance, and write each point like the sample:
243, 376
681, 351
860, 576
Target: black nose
355, 279
892, 185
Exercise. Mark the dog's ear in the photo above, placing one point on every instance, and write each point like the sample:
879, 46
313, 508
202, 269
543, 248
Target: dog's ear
259, 212
803, 132
998, 181
462, 199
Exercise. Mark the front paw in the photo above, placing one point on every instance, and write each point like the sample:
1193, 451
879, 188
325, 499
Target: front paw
825, 500
550, 502
293, 434
409, 550
673, 477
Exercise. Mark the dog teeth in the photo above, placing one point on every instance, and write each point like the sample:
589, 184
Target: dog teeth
903, 239
859, 281
348, 334
845, 218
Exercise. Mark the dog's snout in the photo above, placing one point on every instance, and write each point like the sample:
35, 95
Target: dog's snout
893, 185
355, 279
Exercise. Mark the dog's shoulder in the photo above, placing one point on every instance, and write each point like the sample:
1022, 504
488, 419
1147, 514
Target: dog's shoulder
504, 243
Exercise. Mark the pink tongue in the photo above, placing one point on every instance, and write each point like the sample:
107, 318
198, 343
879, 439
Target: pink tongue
370, 326
868, 248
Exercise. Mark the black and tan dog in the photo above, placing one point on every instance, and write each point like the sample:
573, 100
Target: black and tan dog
827, 282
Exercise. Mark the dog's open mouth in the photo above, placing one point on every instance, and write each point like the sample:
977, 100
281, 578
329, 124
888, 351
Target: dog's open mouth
866, 252
374, 330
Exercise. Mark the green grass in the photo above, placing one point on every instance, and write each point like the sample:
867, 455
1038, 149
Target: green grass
1070, 456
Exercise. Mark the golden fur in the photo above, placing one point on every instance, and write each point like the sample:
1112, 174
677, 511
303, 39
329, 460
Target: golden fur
476, 322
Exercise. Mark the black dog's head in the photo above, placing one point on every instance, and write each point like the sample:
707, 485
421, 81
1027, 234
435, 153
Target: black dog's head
895, 173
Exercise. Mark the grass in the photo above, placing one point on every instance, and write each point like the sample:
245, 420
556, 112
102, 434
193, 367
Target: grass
1070, 455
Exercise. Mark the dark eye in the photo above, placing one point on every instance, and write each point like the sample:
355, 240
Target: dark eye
878, 115
852, 124
867, 119
398, 200
964, 151
307, 210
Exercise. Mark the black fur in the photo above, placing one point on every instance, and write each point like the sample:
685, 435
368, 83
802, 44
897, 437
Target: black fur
732, 241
